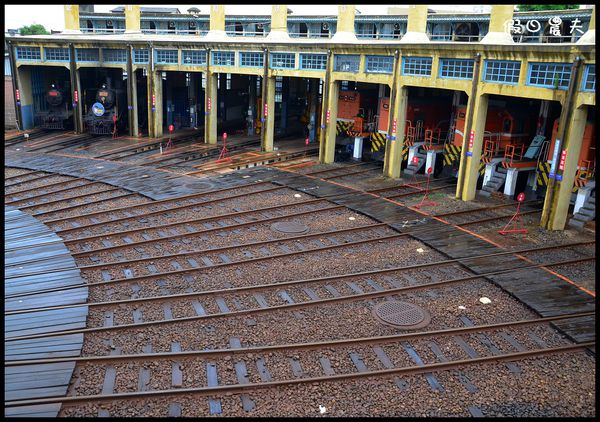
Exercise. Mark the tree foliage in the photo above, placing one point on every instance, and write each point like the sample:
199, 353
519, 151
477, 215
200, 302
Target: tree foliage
35, 29
539, 7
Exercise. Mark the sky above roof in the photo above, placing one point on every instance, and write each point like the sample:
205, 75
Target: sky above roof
52, 16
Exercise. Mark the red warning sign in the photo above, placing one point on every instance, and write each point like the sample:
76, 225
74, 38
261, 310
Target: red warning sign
153, 99
224, 136
563, 157
521, 197
18, 95
394, 126
171, 127
76, 96
266, 109
208, 104
415, 159
471, 138
327, 117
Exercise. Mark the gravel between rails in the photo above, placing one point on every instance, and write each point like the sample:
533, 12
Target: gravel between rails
182, 307
279, 366
371, 256
15, 171
235, 238
225, 206
166, 207
320, 322
557, 385
13, 190
75, 201
46, 190
30, 199
107, 205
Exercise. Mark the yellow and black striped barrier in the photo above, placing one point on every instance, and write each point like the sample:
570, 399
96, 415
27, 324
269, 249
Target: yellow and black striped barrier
377, 141
481, 168
343, 127
451, 154
542, 174
405, 153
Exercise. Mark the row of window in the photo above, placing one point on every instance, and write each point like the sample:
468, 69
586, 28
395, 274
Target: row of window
548, 75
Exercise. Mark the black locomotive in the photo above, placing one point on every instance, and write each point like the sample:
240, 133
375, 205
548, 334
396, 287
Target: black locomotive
104, 116
60, 111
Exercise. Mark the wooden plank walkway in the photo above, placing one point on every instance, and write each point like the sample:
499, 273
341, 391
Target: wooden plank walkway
29, 264
147, 181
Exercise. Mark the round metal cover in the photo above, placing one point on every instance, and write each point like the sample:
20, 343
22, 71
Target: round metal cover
402, 315
289, 227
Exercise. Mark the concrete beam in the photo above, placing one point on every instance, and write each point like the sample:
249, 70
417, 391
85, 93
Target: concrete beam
345, 25
417, 25
71, 19
559, 205
157, 113
499, 30
279, 30
590, 36
132, 19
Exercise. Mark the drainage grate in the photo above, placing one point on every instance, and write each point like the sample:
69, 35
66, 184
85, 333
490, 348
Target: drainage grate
402, 314
289, 227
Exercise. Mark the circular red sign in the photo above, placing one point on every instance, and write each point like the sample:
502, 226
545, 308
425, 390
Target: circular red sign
114, 117
521, 197
306, 141
171, 128
429, 170
224, 135
415, 160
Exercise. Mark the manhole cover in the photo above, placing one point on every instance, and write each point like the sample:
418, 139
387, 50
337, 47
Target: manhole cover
402, 314
289, 227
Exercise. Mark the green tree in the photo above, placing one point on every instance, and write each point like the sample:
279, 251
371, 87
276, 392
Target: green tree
35, 29
538, 7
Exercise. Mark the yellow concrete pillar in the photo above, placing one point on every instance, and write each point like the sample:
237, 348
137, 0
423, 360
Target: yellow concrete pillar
133, 121
71, 19
328, 155
158, 104
345, 24
217, 18
279, 23
345, 18
132, 19
24, 85
416, 28
279, 18
210, 116
393, 149
559, 205
472, 156
499, 32
590, 36
417, 18
269, 123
